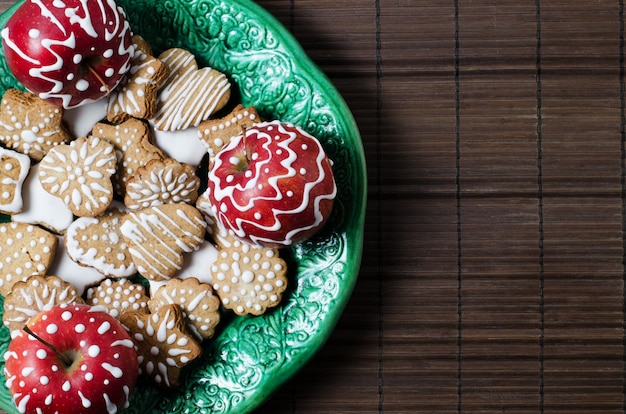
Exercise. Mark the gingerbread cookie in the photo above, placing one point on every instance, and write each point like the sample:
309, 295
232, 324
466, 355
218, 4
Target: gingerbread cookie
80, 174
80, 276
189, 95
162, 182
158, 237
216, 133
36, 294
25, 250
118, 296
163, 345
30, 125
97, 242
249, 279
137, 96
219, 234
133, 146
14, 169
197, 300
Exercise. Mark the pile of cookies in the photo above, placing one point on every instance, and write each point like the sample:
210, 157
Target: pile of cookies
90, 211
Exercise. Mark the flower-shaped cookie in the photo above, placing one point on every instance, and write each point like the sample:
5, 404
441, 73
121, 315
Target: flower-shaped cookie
249, 279
162, 182
80, 174
30, 125
36, 294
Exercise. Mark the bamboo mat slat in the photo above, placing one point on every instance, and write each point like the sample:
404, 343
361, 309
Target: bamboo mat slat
493, 272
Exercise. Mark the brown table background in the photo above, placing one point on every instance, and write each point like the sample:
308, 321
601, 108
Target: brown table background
493, 271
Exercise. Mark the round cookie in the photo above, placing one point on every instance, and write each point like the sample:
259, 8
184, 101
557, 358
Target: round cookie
249, 279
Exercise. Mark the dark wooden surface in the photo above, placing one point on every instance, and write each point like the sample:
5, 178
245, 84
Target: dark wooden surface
493, 271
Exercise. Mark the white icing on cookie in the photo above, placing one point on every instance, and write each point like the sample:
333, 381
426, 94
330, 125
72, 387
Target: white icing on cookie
70, 271
13, 171
42, 208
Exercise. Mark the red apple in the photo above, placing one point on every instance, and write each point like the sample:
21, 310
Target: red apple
272, 186
68, 52
74, 359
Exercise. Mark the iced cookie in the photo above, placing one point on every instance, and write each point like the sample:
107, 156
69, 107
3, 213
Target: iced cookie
158, 237
133, 147
14, 169
25, 250
98, 243
41, 207
118, 296
36, 294
137, 96
162, 182
215, 133
189, 95
70, 271
80, 174
249, 279
197, 300
163, 345
30, 125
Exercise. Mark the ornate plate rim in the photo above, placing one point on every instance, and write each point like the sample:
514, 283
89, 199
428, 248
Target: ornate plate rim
230, 49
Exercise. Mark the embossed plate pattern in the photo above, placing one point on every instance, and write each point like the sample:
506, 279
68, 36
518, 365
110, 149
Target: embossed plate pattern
252, 356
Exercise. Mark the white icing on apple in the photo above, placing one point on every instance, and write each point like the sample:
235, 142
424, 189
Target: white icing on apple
281, 194
69, 34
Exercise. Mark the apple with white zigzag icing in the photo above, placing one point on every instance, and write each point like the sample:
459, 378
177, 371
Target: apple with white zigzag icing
272, 186
68, 52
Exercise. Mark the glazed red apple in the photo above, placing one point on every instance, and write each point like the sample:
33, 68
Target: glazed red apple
76, 359
68, 52
272, 186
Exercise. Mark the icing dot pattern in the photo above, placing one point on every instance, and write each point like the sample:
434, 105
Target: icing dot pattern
249, 279
31, 125
80, 173
98, 242
118, 296
198, 302
216, 133
25, 250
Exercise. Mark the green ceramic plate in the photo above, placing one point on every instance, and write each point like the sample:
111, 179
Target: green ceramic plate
252, 356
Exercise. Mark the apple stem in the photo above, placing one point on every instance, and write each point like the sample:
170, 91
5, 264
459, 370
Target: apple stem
64, 358
97, 76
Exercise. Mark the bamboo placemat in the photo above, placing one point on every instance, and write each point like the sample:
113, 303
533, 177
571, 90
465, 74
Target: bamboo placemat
493, 271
